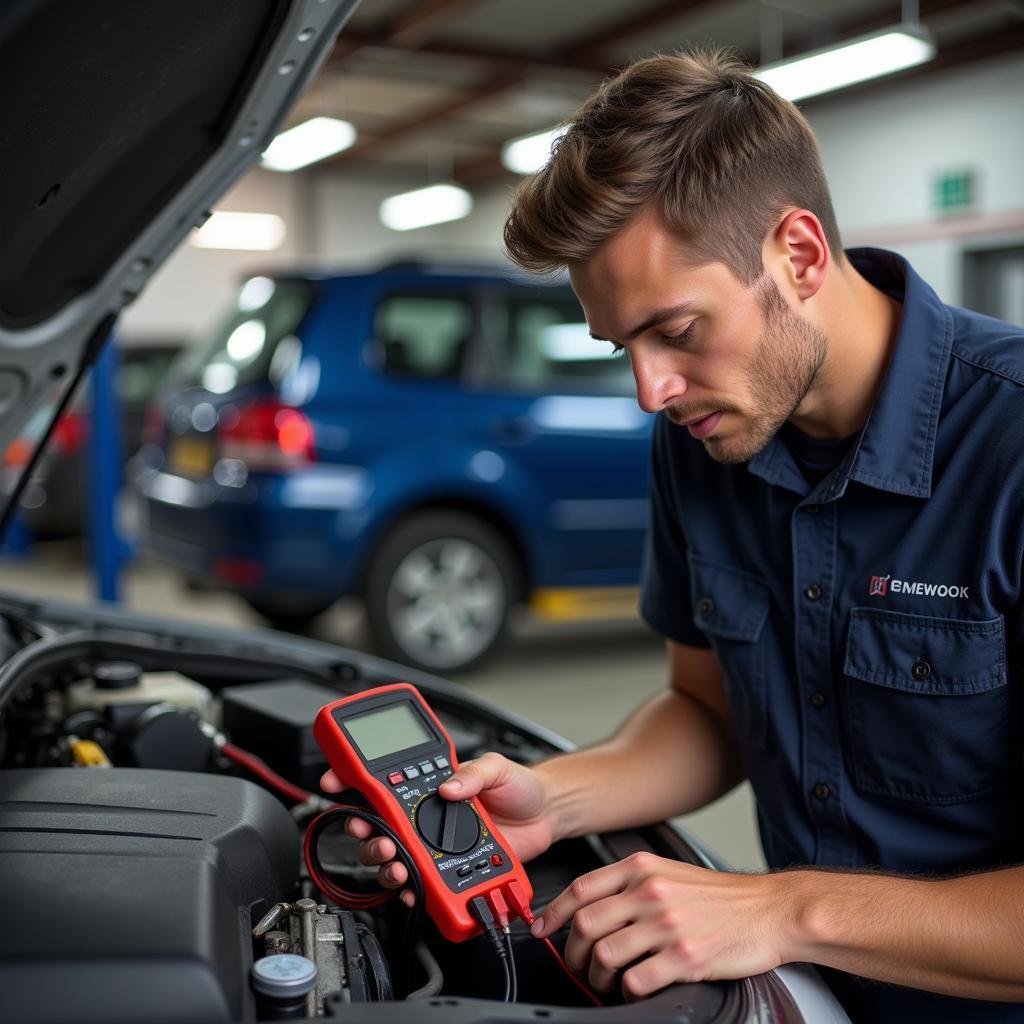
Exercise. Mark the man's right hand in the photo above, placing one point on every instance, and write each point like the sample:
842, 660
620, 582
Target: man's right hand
513, 795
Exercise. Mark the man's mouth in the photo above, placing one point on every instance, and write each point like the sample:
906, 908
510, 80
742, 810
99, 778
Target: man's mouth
702, 426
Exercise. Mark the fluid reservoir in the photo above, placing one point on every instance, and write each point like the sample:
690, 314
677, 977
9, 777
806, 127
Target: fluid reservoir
118, 683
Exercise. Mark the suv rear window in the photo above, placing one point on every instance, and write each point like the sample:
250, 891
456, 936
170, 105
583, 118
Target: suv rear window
542, 343
257, 341
424, 335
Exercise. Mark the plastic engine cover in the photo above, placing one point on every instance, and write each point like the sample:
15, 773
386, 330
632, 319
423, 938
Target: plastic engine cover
128, 894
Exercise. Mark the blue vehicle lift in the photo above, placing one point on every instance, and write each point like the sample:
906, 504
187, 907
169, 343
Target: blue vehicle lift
108, 551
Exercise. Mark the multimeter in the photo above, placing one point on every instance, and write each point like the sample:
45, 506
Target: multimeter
390, 746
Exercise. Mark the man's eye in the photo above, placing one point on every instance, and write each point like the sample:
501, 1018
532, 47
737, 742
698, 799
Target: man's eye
679, 339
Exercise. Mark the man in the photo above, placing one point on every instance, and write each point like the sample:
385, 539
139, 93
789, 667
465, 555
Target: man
834, 559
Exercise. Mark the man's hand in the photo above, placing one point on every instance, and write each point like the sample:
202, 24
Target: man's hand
513, 795
671, 922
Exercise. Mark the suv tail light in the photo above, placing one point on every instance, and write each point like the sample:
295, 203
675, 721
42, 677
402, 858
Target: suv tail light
268, 436
70, 433
153, 423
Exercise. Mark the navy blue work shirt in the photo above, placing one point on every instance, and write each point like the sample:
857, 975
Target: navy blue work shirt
869, 626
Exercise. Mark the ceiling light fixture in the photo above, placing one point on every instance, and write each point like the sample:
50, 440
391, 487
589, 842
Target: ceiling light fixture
422, 207
836, 67
306, 143
259, 232
529, 153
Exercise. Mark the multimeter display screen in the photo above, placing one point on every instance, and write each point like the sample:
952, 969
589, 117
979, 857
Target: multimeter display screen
379, 733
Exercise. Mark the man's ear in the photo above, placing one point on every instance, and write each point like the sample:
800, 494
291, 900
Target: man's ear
800, 251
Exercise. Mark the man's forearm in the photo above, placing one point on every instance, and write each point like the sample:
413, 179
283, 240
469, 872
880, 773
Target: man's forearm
961, 936
671, 757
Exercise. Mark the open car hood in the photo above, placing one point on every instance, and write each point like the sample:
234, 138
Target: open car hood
121, 124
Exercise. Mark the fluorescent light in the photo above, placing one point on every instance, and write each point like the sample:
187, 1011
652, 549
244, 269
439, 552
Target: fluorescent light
255, 294
837, 67
315, 139
424, 206
529, 153
229, 230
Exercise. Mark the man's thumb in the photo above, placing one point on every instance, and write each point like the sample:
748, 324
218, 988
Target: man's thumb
466, 782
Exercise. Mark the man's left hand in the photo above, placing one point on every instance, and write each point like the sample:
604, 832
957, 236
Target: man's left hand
666, 922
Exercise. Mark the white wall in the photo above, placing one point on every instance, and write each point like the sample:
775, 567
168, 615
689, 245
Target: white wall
882, 150
349, 232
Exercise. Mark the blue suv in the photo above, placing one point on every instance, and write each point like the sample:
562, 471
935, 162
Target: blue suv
442, 442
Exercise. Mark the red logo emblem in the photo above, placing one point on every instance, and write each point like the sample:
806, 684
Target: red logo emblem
879, 586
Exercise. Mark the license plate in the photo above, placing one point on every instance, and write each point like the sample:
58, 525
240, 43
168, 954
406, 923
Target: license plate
189, 456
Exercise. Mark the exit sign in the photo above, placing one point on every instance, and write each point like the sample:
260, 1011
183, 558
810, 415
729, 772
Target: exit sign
954, 190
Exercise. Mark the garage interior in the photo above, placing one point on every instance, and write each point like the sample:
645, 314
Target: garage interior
925, 161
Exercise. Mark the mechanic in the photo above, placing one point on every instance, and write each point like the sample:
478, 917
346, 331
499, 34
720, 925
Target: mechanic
834, 560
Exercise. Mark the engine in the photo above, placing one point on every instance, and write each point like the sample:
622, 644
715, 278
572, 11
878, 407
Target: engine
151, 861
135, 889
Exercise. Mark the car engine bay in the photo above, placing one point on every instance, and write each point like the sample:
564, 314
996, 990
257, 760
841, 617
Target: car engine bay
156, 783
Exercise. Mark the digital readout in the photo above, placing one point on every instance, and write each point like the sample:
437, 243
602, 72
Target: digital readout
379, 733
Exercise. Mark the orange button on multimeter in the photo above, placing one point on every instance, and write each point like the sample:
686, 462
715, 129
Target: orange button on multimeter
379, 742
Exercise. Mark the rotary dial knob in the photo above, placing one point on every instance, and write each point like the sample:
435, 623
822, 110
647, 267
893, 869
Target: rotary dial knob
447, 825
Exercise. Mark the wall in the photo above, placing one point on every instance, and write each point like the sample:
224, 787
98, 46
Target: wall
881, 150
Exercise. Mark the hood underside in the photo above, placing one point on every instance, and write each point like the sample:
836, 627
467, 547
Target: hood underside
121, 123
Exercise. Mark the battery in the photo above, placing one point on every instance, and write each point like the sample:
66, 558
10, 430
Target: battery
275, 721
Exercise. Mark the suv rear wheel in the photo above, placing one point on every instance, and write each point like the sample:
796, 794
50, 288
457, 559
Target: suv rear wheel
438, 591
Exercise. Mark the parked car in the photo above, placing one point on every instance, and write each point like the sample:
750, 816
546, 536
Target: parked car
52, 505
148, 860
441, 441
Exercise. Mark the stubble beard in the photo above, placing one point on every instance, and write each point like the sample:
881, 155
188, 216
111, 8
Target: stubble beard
787, 362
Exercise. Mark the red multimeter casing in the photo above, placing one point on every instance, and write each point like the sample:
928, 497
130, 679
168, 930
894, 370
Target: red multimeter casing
389, 745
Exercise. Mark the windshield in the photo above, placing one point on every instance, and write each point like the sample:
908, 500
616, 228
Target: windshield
257, 340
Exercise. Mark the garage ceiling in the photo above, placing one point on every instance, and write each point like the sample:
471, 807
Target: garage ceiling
434, 87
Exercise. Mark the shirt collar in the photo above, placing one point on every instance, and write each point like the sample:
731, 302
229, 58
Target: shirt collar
894, 450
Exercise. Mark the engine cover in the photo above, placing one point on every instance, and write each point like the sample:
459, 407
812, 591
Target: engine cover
129, 894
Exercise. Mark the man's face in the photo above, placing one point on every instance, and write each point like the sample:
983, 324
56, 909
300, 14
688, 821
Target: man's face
730, 361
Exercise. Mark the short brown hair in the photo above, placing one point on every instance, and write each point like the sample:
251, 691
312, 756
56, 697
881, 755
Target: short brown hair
694, 133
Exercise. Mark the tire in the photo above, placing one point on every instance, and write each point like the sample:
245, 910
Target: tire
292, 616
438, 591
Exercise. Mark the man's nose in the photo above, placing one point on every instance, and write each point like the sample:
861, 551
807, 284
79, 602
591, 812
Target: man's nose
657, 386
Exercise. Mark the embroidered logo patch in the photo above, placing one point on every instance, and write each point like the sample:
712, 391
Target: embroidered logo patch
882, 586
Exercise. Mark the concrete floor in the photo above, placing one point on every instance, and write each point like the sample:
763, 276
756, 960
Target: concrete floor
579, 681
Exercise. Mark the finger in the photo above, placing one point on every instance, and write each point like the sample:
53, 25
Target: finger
407, 897
475, 776
617, 950
357, 828
654, 973
377, 851
392, 875
330, 783
587, 889
591, 924
467, 781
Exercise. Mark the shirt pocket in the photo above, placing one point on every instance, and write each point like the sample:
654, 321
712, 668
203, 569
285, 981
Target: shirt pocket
730, 607
927, 706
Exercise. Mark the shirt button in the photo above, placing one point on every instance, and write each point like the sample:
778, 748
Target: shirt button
814, 591
821, 791
812, 509
818, 700
921, 669
706, 606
